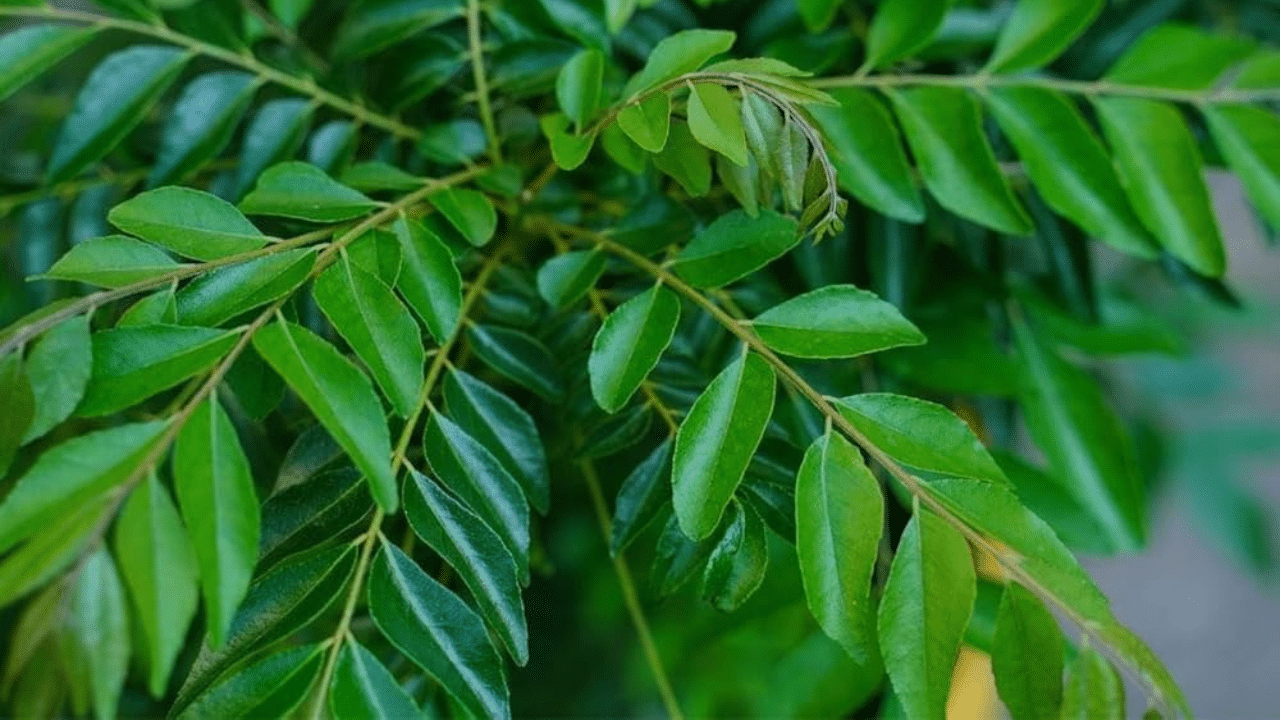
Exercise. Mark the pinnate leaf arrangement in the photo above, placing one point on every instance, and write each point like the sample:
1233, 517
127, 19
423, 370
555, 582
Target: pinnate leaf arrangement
348, 322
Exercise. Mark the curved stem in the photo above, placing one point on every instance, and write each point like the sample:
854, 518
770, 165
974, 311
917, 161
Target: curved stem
476, 49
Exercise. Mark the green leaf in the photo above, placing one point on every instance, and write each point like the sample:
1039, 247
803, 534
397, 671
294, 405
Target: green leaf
518, 357
741, 182
622, 149
1069, 165
201, 124
311, 513
157, 308
923, 613
367, 314
617, 432
270, 687
51, 550
17, 419
1201, 58
715, 121
363, 688
505, 429
578, 87
341, 397
272, 136
58, 369
118, 93
738, 562
618, 13
31, 628
921, 434
734, 246
836, 321
629, 345
215, 492
791, 157
677, 558
1093, 689
476, 553
372, 25
1249, 138
159, 568
132, 364
112, 262
1045, 495
189, 222
565, 279
676, 55
717, 440
304, 192
71, 473
868, 155
375, 175
378, 253
642, 495
648, 121
98, 630
685, 160
438, 632
762, 125
582, 21
818, 14
759, 66
902, 27
469, 211
567, 150
1038, 31
218, 296
944, 128
430, 281
1081, 437
28, 52
1026, 656
456, 142
471, 471
839, 521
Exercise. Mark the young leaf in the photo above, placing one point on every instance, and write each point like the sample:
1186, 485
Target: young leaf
762, 126
270, 687
367, 314
642, 495
565, 279
567, 150
901, 27
648, 121
341, 397
1249, 138
791, 157
578, 86
476, 553
159, 568
58, 369
629, 345
118, 93
921, 434
218, 296
923, 613
1026, 656
685, 160
519, 357
1201, 59
438, 632
98, 630
469, 211
676, 55
111, 262
717, 440
131, 364
201, 124
839, 515
944, 128
836, 321
1069, 165
1038, 31
215, 491
715, 121
1093, 690
272, 136
27, 52
305, 192
363, 688
738, 562
734, 246
430, 281
17, 419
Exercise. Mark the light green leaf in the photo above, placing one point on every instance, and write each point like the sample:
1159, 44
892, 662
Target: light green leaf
157, 308
715, 121
31, 628
757, 66
372, 25
836, 321
341, 397
944, 128
51, 550
618, 13
1249, 138
734, 246
201, 124
305, 192
622, 149
430, 281
738, 562
476, 553
717, 440
762, 125
818, 14
648, 121
567, 150
189, 222
220, 295
273, 136
1045, 495
71, 473
16, 421
1069, 165
1093, 690
519, 357
921, 434
469, 211
839, 514
643, 494
565, 279
118, 93
1026, 656
98, 630
578, 86
685, 160
923, 613
378, 253
375, 175
367, 314
27, 52
901, 27
742, 182
159, 568
868, 155
133, 363
791, 157
1038, 31
363, 689
676, 55
111, 262
629, 345
1201, 58
438, 632
270, 687
58, 369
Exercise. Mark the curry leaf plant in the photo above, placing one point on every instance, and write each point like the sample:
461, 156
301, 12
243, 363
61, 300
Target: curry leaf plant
488, 358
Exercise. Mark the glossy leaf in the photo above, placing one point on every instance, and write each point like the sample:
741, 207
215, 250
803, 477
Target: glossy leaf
189, 222
565, 279
372, 25
629, 345
1202, 58
676, 55
27, 52
1038, 31
378, 253
98, 630
715, 121
302, 191
1026, 656
642, 495
58, 370
836, 321
312, 513
901, 27
716, 442
648, 121
273, 136
201, 124
430, 281
132, 364
218, 296
1249, 138
112, 262
270, 687
519, 357
734, 246
469, 211
578, 86
737, 564
1093, 689
363, 688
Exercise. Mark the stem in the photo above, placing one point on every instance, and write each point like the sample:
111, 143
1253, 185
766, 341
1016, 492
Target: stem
482, 84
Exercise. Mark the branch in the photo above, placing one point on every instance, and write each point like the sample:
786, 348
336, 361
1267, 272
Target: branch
476, 50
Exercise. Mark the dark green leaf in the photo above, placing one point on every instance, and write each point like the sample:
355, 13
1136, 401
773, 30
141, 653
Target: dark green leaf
469, 211
742, 182
201, 124
1201, 58
311, 513
676, 55
270, 687
98, 630
27, 52
583, 21
836, 321
363, 689
58, 369
218, 296
1249, 138
818, 14
132, 364
685, 160
430, 280
1026, 656
642, 495
617, 432
375, 175
715, 121
901, 27
565, 279
302, 191
371, 25
738, 562
17, 420
112, 262
578, 86
677, 558
734, 246
629, 345
1093, 689
519, 357
455, 142
1038, 31
648, 121
273, 136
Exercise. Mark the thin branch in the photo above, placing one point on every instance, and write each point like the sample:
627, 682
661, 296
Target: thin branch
476, 50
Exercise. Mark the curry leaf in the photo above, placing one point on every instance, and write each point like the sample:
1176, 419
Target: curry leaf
834, 321
629, 345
